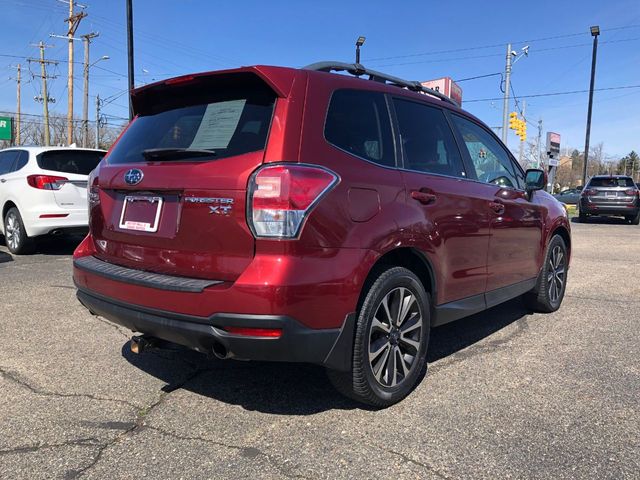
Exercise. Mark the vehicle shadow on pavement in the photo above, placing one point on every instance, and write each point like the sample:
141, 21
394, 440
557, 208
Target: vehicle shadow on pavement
51, 245
5, 257
296, 389
455, 336
62, 245
602, 220
268, 387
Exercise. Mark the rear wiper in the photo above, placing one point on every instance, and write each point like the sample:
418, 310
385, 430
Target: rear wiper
175, 153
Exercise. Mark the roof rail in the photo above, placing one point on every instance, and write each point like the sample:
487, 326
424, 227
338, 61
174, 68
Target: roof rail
358, 69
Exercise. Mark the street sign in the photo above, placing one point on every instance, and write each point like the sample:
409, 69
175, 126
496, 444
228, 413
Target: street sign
5, 128
447, 86
553, 162
553, 144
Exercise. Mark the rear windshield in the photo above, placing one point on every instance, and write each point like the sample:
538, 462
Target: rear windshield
612, 182
70, 161
229, 124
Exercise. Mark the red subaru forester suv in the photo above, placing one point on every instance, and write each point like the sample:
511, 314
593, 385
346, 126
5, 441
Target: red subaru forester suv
301, 215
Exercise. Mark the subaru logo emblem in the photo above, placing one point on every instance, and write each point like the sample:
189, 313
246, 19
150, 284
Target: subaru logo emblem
133, 176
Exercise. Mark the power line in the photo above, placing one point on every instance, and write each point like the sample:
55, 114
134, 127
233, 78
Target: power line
551, 94
59, 116
478, 76
495, 45
531, 52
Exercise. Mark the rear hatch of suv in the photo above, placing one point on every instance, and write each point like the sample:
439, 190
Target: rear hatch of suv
170, 196
74, 165
611, 191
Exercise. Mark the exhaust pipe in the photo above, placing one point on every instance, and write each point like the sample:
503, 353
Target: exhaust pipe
140, 343
220, 351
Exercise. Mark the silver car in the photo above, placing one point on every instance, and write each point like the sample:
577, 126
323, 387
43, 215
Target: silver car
570, 196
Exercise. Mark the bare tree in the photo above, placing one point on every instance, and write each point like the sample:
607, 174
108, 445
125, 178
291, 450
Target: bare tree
32, 132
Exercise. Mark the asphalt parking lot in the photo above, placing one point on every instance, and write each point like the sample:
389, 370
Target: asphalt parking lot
508, 394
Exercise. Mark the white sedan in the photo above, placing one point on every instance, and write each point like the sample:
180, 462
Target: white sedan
43, 190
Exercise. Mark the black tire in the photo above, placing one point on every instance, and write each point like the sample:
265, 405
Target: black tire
361, 383
545, 297
634, 220
582, 217
15, 235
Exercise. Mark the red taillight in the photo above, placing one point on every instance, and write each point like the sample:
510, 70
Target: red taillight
280, 196
589, 191
93, 191
46, 182
631, 192
255, 332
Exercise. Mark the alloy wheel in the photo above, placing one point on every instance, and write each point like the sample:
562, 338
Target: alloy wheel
556, 274
395, 337
12, 231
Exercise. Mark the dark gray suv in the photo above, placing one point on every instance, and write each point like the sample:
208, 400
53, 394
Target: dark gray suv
610, 195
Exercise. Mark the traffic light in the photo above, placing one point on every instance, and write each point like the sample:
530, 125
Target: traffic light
520, 127
513, 120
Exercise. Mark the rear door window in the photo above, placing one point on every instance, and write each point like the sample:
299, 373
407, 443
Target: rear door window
358, 123
81, 162
490, 160
428, 143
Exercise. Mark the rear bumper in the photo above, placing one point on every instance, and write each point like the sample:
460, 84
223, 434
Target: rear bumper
318, 289
623, 209
297, 343
75, 221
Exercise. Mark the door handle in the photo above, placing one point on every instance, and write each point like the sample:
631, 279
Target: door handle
423, 197
497, 207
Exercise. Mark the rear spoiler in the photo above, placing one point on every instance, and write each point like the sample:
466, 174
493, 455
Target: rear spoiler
278, 79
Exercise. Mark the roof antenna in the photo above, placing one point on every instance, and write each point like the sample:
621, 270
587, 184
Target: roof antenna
359, 43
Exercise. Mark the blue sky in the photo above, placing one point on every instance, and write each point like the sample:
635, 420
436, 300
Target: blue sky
403, 38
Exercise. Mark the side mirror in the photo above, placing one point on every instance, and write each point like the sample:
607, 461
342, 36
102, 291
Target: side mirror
535, 180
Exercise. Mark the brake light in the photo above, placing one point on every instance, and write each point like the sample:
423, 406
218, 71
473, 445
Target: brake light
93, 190
280, 198
630, 191
46, 182
255, 332
589, 191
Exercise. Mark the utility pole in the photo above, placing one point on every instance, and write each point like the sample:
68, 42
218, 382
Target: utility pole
524, 118
17, 136
595, 31
86, 39
98, 121
45, 100
130, 53
507, 86
45, 97
539, 158
74, 23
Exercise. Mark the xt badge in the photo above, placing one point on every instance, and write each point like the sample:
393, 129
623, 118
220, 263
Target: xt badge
220, 209
222, 206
